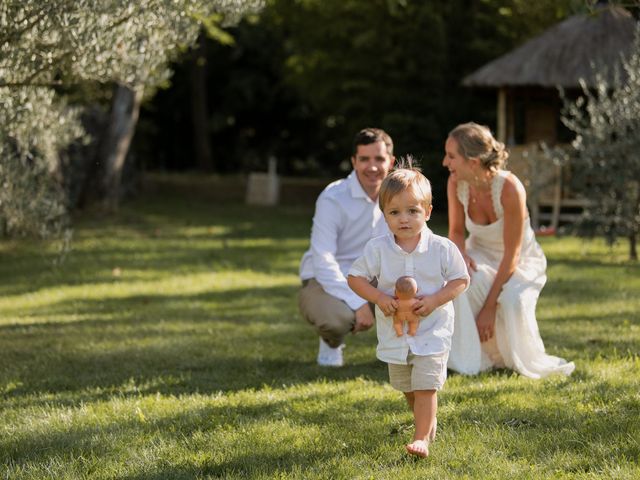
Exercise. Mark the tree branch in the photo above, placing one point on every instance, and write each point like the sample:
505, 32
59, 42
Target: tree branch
16, 34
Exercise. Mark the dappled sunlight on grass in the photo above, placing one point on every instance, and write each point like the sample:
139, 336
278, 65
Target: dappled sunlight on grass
79, 297
168, 345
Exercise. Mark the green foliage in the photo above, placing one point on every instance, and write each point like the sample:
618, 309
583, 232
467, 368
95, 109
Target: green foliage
303, 78
253, 113
211, 24
606, 163
46, 47
399, 65
34, 127
30, 204
169, 346
368, 65
67, 41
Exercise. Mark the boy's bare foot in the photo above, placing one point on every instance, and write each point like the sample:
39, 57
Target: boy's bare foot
419, 448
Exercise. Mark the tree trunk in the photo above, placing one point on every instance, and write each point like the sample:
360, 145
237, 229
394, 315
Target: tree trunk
199, 110
633, 252
125, 110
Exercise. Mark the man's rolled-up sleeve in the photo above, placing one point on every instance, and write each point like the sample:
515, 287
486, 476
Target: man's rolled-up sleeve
327, 223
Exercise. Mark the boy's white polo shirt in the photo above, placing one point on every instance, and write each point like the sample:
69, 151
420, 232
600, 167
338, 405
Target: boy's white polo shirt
434, 262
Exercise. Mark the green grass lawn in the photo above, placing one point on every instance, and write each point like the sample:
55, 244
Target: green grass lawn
168, 345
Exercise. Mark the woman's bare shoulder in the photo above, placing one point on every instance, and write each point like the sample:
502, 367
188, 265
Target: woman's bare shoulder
513, 187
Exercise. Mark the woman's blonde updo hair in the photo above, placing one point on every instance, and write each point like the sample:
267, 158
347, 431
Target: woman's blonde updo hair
476, 141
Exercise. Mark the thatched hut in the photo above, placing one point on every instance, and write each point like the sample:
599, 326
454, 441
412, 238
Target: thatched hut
527, 80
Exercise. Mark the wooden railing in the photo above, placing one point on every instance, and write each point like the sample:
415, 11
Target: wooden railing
549, 199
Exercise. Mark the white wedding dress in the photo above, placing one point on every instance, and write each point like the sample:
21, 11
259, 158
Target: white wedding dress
516, 344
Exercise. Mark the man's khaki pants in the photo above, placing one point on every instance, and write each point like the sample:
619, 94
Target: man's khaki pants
331, 317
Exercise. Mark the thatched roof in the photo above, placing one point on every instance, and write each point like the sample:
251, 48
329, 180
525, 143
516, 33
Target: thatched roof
563, 54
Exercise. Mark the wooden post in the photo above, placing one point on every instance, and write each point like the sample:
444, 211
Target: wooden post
533, 195
557, 198
511, 118
199, 106
502, 115
264, 188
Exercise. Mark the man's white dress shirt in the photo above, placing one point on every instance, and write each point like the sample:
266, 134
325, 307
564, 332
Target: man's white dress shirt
345, 220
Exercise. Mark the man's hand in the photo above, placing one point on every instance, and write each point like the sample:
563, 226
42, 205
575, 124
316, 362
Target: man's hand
364, 319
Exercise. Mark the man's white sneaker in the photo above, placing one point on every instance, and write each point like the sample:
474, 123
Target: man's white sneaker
330, 357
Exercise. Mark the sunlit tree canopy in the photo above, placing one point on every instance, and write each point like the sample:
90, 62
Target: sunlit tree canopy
606, 165
47, 46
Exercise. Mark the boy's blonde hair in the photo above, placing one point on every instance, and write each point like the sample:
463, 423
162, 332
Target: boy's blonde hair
405, 177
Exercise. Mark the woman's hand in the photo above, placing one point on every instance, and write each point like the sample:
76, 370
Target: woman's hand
486, 323
387, 304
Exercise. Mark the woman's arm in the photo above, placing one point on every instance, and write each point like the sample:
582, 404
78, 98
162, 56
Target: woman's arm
456, 222
513, 202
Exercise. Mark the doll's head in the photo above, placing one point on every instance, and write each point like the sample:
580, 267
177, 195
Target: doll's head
406, 287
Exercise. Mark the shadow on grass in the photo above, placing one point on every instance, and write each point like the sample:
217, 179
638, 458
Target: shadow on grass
87, 377
158, 236
173, 429
79, 350
212, 341
582, 288
179, 257
526, 430
589, 417
154, 257
208, 342
255, 303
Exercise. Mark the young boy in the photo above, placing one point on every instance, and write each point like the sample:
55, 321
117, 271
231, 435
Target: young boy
417, 364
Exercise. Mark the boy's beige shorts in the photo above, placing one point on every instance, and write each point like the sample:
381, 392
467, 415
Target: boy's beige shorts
423, 372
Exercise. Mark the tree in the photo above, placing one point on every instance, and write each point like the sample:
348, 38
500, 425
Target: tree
199, 110
46, 47
304, 75
605, 164
398, 64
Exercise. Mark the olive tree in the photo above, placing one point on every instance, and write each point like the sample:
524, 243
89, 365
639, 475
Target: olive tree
47, 48
605, 162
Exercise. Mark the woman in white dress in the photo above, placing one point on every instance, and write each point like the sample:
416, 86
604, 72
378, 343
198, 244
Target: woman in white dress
495, 324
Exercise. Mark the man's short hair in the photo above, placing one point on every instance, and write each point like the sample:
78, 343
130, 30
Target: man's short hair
367, 136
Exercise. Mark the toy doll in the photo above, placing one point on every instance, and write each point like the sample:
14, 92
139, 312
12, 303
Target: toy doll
406, 289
